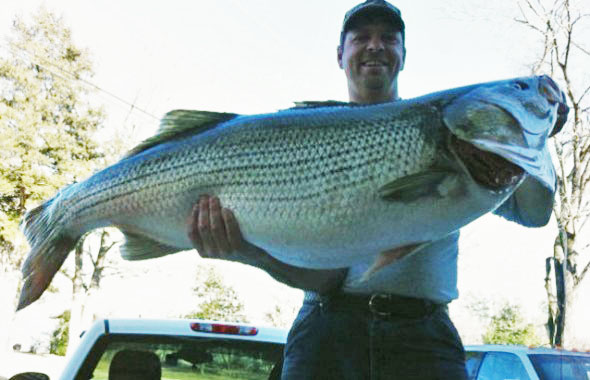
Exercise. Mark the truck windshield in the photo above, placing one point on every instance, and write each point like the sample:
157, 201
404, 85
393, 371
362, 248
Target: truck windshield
561, 367
156, 357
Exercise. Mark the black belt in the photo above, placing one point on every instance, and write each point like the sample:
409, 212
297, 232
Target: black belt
380, 304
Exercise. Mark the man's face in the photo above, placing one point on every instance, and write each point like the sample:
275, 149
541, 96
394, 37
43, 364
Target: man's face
372, 56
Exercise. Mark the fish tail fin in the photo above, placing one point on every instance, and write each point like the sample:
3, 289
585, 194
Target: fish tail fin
50, 246
385, 258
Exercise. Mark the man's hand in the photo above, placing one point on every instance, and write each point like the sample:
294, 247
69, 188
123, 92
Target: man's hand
215, 233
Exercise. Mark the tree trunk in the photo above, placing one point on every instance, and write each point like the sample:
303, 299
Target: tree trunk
78, 295
560, 292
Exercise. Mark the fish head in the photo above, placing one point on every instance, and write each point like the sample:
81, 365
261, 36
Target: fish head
500, 129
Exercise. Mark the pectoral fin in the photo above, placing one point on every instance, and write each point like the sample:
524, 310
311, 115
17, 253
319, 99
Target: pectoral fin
413, 187
140, 247
388, 257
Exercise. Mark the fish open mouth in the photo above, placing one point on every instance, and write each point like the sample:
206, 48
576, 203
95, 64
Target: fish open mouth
486, 168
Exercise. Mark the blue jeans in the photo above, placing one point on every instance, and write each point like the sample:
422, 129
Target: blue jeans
355, 344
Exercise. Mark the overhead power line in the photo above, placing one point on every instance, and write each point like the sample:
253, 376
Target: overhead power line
69, 76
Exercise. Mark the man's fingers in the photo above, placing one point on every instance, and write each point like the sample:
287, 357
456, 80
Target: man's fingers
214, 231
204, 226
233, 233
218, 231
193, 229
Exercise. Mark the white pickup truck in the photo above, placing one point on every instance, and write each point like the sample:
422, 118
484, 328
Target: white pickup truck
173, 349
133, 349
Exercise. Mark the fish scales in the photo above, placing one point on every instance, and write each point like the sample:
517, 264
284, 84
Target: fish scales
315, 187
334, 165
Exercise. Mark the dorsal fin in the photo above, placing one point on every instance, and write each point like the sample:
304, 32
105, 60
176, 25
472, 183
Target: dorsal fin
321, 103
178, 124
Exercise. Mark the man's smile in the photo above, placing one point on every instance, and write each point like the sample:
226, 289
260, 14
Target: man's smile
374, 63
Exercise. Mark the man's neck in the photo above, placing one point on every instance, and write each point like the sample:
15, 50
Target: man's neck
372, 97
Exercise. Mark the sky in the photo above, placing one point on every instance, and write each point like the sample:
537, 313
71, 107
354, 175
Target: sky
260, 56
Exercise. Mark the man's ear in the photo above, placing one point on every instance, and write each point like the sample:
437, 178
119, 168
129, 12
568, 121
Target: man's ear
403, 60
339, 52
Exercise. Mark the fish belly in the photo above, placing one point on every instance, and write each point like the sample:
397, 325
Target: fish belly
340, 235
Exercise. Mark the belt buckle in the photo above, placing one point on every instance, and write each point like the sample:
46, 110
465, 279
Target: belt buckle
373, 306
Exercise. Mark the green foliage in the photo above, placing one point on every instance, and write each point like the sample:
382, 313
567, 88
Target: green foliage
281, 315
217, 301
47, 124
59, 338
508, 327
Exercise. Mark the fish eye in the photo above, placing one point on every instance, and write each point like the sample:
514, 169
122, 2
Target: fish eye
520, 85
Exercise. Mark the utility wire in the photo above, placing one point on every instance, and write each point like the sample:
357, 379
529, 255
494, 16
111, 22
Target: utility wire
35, 60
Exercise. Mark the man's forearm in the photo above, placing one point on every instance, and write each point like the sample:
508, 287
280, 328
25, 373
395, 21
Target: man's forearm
319, 280
215, 233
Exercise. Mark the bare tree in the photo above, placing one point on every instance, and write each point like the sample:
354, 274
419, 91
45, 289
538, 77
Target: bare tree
564, 29
90, 264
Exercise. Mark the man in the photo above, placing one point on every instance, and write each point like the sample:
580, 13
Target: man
395, 325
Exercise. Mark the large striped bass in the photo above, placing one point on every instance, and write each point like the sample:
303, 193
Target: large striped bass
318, 186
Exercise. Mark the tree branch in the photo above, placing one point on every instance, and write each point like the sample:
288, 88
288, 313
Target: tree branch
584, 146
534, 10
578, 279
526, 23
584, 93
107, 248
560, 160
90, 257
569, 28
66, 274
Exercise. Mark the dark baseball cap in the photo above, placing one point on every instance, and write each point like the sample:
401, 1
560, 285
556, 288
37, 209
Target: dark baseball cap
380, 7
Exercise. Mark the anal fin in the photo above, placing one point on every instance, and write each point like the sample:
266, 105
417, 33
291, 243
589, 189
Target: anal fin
140, 247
